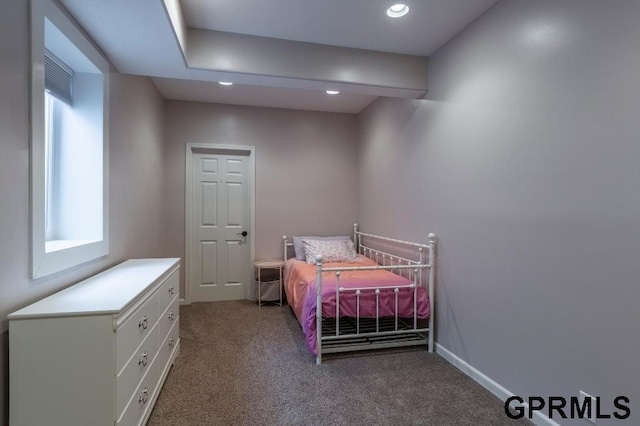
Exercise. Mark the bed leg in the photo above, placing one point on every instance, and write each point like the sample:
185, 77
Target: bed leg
318, 359
432, 284
431, 339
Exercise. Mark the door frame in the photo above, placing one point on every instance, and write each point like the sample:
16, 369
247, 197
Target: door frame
213, 149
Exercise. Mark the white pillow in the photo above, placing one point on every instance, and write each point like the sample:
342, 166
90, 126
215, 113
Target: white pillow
299, 248
352, 249
330, 250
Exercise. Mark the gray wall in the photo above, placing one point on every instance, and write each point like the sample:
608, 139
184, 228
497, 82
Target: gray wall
524, 159
136, 164
305, 169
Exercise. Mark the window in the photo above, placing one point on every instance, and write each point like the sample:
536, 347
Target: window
69, 146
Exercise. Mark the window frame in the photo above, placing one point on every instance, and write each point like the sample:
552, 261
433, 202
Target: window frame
50, 139
45, 263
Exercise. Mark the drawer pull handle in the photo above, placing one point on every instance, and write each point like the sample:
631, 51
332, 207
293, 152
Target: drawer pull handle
144, 398
171, 290
144, 323
171, 342
144, 360
172, 316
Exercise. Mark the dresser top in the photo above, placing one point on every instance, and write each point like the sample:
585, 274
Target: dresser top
109, 292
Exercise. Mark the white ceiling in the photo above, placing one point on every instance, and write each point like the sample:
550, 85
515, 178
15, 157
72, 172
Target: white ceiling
138, 38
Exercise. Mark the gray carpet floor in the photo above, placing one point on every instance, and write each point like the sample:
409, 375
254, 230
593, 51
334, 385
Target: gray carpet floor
244, 365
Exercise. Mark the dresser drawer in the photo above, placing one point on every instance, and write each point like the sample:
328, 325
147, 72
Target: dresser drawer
168, 318
134, 330
169, 344
168, 290
129, 378
143, 397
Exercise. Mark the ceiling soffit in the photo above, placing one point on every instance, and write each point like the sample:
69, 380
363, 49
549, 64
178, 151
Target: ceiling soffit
283, 62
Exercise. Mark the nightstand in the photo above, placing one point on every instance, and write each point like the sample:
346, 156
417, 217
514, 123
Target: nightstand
261, 265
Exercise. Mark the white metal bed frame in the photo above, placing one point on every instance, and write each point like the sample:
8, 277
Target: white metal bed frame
378, 332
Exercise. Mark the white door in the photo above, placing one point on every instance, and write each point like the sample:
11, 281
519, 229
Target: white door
220, 254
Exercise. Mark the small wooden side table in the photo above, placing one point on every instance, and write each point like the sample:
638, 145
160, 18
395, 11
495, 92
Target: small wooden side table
269, 264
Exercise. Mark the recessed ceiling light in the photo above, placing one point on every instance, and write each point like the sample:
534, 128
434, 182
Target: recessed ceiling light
225, 83
397, 10
332, 92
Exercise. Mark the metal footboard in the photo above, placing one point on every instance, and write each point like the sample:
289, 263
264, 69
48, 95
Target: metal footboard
374, 336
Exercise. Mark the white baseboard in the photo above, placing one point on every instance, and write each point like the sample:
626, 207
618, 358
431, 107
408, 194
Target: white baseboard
492, 386
183, 302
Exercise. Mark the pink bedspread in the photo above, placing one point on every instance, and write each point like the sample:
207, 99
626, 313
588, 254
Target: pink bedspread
300, 287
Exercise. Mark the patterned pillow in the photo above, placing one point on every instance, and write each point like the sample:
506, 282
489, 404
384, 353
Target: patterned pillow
299, 248
330, 250
352, 249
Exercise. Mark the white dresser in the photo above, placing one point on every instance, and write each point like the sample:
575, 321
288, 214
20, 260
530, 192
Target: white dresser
98, 352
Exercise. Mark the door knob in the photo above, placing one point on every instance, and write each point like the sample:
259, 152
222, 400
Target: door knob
243, 233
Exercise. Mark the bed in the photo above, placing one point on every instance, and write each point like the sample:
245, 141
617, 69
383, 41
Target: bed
382, 298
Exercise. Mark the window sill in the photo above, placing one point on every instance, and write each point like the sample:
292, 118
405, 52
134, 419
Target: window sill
58, 255
57, 245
